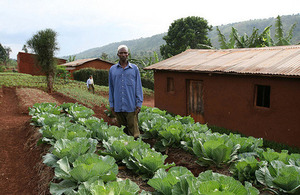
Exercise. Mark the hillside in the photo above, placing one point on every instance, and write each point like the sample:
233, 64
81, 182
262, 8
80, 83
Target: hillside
146, 46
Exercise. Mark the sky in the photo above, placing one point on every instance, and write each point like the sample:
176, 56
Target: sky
86, 24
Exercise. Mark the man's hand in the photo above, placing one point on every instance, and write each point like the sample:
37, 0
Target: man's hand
113, 111
137, 110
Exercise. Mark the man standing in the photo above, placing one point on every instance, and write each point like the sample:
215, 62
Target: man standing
125, 92
90, 84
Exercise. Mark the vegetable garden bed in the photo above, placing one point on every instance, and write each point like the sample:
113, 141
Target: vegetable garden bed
80, 168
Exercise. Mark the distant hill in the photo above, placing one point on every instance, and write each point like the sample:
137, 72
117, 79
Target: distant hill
141, 47
146, 46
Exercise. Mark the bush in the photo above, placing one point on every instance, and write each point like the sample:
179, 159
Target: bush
2, 68
147, 83
101, 77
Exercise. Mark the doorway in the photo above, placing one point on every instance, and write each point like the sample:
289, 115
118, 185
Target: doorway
195, 103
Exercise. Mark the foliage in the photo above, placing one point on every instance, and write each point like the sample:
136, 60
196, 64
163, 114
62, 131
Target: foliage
112, 187
279, 34
285, 178
151, 123
146, 162
72, 148
244, 169
120, 148
247, 27
4, 55
100, 77
44, 44
77, 168
190, 32
163, 181
86, 167
248, 144
208, 183
257, 40
63, 130
62, 73
83, 96
39, 108
71, 58
79, 111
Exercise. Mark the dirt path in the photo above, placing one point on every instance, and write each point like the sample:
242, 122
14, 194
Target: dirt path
21, 168
16, 166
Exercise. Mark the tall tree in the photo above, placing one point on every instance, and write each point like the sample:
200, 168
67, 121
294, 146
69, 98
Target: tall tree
44, 45
190, 32
4, 54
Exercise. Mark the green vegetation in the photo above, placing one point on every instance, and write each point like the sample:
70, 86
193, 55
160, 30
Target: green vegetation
5, 62
44, 45
144, 47
190, 32
79, 169
74, 89
255, 39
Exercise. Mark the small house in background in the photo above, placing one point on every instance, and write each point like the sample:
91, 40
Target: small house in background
27, 64
255, 91
96, 63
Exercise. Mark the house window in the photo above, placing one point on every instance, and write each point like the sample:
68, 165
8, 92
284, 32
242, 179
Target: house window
263, 96
170, 85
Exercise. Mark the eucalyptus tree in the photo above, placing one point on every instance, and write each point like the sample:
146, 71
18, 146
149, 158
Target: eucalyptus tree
190, 32
44, 45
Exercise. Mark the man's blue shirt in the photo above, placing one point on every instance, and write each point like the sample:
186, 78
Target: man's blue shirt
125, 88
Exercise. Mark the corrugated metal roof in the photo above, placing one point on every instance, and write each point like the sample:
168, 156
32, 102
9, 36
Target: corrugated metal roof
281, 61
82, 61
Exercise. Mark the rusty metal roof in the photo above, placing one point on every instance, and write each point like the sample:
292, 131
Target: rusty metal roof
274, 61
82, 61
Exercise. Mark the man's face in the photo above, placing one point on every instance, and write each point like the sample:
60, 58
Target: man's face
123, 54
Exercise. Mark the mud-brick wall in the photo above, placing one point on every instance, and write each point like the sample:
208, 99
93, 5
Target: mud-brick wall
27, 64
97, 64
229, 102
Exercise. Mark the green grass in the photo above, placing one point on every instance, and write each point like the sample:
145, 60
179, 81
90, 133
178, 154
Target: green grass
84, 96
74, 89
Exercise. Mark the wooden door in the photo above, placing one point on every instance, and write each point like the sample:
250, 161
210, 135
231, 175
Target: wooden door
195, 100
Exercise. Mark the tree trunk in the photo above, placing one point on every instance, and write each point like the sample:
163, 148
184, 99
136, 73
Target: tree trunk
50, 82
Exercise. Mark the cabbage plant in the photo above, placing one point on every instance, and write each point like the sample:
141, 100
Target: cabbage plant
87, 167
74, 148
79, 111
164, 181
244, 169
63, 130
120, 148
280, 176
207, 183
146, 162
39, 108
113, 187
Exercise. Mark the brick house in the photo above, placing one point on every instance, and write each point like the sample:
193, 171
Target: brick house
255, 91
27, 64
96, 63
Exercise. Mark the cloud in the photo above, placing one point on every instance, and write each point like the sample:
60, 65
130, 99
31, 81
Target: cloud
84, 24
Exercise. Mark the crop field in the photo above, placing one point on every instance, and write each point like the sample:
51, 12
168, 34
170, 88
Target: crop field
66, 144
